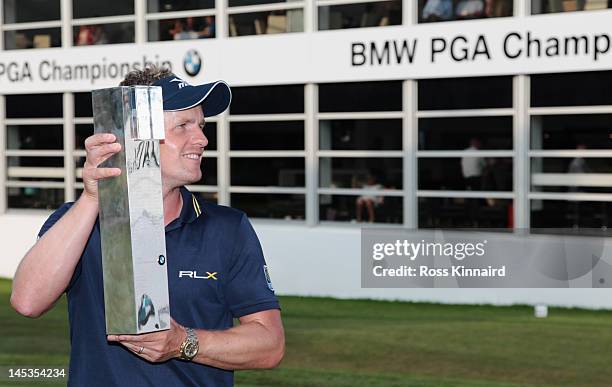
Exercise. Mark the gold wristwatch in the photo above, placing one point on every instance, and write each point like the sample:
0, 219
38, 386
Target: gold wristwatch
189, 347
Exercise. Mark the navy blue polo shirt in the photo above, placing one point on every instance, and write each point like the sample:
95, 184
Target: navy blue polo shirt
204, 238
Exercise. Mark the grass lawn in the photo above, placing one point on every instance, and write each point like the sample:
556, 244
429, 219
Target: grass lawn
371, 343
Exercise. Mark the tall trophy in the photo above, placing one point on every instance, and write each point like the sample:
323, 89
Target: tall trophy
131, 211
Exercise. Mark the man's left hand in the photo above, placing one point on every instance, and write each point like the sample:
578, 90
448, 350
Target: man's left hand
155, 347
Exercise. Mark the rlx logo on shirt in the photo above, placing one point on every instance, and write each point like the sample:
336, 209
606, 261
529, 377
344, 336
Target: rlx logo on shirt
194, 274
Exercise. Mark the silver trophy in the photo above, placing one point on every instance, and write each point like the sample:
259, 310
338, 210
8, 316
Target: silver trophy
131, 211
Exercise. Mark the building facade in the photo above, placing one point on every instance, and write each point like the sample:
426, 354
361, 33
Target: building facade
439, 113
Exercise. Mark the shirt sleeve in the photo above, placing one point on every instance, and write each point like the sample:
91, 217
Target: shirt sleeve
249, 288
51, 220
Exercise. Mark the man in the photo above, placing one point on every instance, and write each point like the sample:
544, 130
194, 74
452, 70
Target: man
200, 237
472, 167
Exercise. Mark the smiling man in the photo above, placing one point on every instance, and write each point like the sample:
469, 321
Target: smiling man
216, 269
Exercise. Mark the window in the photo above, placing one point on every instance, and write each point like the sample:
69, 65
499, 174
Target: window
180, 5
112, 33
24, 11
360, 97
380, 13
32, 38
182, 28
446, 10
92, 8
44, 33
554, 6
465, 93
571, 89
455, 212
266, 22
116, 23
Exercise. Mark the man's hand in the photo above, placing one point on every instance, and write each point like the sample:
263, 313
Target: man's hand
100, 147
155, 347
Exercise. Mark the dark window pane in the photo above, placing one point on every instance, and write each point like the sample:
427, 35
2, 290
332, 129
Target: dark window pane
571, 89
268, 22
34, 106
578, 131
276, 135
240, 3
178, 5
466, 173
383, 13
82, 131
360, 134
30, 10
370, 172
557, 174
360, 96
465, 93
460, 133
552, 6
267, 99
446, 10
345, 208
210, 197
268, 171
570, 214
103, 34
21, 168
210, 131
35, 161
32, 38
209, 171
35, 198
34, 137
277, 206
182, 29
465, 213
82, 105
93, 8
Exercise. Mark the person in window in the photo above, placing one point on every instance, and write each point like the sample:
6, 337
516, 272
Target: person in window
85, 36
469, 9
472, 166
369, 201
437, 10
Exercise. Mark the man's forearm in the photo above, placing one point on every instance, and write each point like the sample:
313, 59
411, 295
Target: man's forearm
46, 269
247, 346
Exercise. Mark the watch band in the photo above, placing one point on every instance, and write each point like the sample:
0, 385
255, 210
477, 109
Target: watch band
189, 348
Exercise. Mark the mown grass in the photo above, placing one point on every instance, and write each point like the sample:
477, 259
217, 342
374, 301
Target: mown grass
358, 343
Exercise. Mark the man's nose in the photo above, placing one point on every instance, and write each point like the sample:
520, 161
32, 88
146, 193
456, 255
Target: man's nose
200, 138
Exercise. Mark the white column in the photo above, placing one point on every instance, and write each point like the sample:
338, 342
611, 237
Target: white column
223, 162
410, 12
410, 146
3, 192
310, 15
140, 22
311, 144
522, 168
66, 15
221, 19
69, 165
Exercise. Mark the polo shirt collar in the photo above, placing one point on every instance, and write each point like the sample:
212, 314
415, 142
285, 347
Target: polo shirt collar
192, 209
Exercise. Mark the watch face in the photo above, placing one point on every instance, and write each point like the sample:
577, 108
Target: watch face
191, 349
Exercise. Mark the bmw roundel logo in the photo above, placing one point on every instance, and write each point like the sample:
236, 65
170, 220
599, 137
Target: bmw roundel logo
192, 63
161, 260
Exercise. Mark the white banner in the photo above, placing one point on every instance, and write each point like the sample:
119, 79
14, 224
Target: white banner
580, 41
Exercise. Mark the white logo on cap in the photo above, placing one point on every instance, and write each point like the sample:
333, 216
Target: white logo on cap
180, 81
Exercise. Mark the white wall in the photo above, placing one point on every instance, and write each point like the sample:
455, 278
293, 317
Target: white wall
323, 261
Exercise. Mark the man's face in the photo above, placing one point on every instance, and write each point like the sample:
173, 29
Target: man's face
181, 151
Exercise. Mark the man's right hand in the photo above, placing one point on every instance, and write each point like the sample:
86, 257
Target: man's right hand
100, 147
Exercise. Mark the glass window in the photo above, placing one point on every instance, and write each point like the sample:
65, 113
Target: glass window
85, 35
466, 173
380, 13
35, 198
580, 131
369, 173
465, 93
211, 197
34, 137
210, 131
240, 3
446, 10
275, 135
82, 105
209, 171
277, 206
360, 96
266, 22
81, 132
559, 174
570, 214
360, 134
32, 38
459, 133
571, 89
34, 106
268, 171
182, 29
178, 5
267, 99
362, 208
30, 10
26, 168
554, 6
93, 8
465, 213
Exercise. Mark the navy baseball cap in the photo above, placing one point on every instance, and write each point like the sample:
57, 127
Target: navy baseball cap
177, 94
